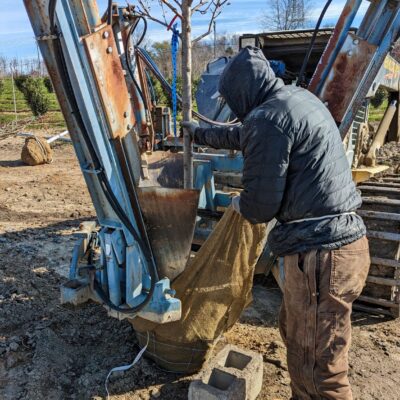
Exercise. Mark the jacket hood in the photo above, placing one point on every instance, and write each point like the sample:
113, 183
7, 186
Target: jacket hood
247, 81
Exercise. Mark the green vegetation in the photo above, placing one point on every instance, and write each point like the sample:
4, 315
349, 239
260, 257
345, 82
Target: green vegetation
376, 113
53, 117
35, 93
164, 99
379, 98
47, 82
378, 105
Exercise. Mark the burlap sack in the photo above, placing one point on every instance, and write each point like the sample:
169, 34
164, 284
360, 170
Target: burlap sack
36, 151
214, 290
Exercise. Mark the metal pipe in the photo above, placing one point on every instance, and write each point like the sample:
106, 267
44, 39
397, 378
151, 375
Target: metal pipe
371, 19
49, 139
56, 137
334, 46
92, 13
379, 140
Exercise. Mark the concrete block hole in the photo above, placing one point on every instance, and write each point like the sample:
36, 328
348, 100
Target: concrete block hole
221, 380
237, 360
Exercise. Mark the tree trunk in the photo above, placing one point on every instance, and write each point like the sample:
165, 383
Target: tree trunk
187, 91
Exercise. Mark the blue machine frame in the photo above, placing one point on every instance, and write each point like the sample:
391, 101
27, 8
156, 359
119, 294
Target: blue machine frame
123, 269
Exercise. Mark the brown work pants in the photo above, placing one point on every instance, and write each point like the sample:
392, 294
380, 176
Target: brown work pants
315, 319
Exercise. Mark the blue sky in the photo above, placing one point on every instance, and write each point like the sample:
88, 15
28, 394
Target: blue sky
242, 16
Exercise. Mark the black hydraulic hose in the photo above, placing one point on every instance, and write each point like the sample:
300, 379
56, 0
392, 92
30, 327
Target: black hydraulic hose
104, 183
109, 12
300, 80
167, 87
139, 42
105, 299
128, 61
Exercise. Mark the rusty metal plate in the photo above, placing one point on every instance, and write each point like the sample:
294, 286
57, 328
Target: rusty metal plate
107, 70
170, 217
332, 45
347, 72
165, 170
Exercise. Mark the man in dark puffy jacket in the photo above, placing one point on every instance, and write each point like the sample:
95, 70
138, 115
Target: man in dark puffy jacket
296, 170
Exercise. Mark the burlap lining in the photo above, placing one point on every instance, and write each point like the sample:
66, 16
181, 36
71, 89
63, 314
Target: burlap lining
214, 290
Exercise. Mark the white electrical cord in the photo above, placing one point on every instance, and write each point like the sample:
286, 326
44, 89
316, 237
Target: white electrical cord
126, 367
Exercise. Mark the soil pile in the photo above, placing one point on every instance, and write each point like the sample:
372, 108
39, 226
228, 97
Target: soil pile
389, 154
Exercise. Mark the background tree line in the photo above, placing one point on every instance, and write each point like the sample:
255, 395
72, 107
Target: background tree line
31, 78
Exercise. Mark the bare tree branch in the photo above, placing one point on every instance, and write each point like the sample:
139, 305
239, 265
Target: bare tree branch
177, 3
287, 14
172, 8
214, 7
216, 11
163, 11
199, 5
144, 11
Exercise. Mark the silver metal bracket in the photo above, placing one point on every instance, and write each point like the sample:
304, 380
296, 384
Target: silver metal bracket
89, 170
47, 37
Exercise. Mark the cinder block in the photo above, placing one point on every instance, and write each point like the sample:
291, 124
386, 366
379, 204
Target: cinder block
233, 374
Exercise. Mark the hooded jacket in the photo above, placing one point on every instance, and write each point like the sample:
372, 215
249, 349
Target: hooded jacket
295, 166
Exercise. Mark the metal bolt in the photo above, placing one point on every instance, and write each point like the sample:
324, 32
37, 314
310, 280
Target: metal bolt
128, 127
126, 114
326, 104
106, 35
356, 41
109, 50
350, 53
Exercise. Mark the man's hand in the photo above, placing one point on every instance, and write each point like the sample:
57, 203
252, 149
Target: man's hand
236, 203
190, 127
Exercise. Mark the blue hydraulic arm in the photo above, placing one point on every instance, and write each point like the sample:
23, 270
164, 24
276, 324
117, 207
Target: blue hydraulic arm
114, 264
352, 61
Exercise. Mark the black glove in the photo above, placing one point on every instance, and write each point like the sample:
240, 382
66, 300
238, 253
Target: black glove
190, 127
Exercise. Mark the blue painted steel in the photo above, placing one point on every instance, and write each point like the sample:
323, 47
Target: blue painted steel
103, 262
279, 67
209, 102
113, 273
161, 307
116, 240
205, 166
119, 245
222, 199
372, 18
76, 254
204, 181
134, 277
84, 89
222, 162
91, 12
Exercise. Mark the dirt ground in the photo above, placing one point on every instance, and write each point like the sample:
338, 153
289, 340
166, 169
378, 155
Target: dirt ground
49, 351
